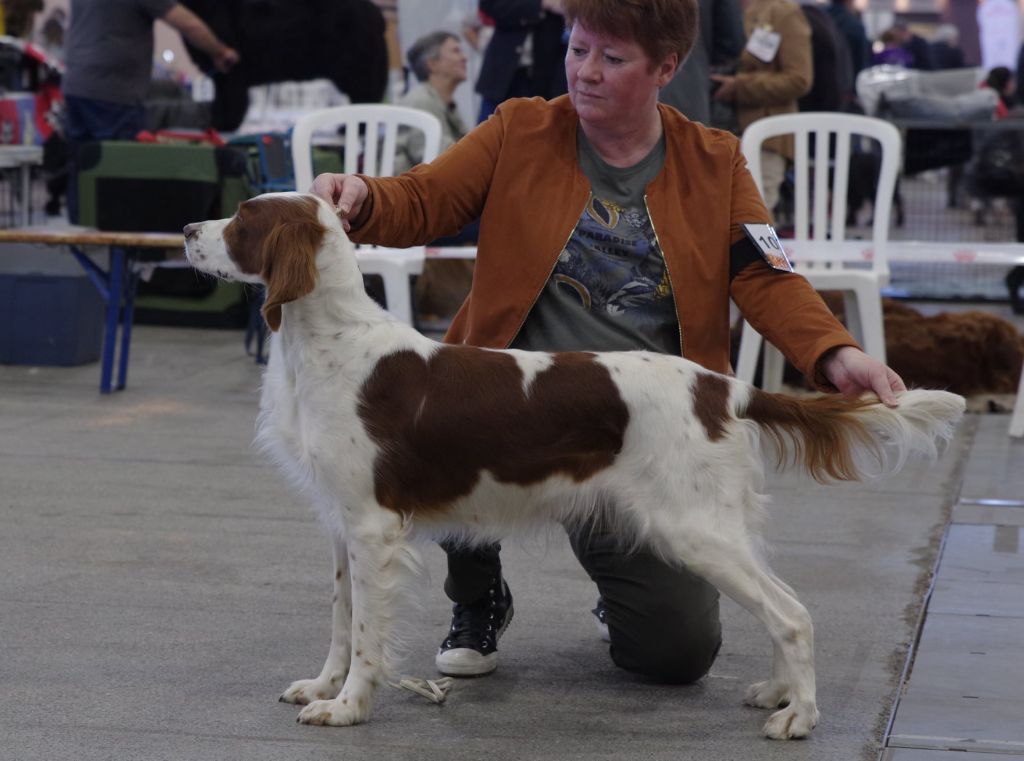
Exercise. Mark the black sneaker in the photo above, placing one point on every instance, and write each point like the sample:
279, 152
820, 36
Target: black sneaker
471, 647
601, 614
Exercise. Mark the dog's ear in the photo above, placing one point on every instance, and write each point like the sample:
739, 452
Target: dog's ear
289, 265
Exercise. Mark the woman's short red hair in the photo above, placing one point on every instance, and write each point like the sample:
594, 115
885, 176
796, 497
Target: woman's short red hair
660, 27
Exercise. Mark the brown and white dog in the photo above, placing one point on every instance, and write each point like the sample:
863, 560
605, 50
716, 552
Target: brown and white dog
395, 437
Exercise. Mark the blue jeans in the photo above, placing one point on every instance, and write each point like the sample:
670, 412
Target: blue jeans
87, 120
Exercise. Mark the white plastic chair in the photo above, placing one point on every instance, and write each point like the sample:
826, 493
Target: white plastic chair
370, 135
819, 250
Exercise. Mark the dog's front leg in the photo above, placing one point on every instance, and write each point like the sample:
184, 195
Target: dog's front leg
375, 552
332, 675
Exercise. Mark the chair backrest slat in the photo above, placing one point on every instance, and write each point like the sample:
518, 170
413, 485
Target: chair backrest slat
801, 185
377, 146
390, 144
840, 186
351, 151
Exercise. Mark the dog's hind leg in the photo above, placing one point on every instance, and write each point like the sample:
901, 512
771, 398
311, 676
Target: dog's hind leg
380, 560
332, 675
773, 693
731, 565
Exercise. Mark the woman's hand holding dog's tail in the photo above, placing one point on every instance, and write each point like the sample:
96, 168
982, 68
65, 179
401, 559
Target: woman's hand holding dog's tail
852, 371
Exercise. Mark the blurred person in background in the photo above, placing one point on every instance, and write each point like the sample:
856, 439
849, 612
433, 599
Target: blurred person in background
718, 45
774, 72
109, 65
18, 17
892, 52
439, 64
945, 48
919, 49
526, 52
852, 30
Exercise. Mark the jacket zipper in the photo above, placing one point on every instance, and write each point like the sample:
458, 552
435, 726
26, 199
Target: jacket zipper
550, 271
668, 272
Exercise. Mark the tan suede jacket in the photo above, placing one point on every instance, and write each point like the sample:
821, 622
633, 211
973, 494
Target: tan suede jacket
765, 89
518, 172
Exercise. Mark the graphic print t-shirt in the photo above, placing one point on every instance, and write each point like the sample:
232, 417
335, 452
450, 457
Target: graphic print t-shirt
610, 289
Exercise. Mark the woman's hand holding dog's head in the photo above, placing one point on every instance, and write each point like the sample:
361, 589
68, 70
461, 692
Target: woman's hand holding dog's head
346, 192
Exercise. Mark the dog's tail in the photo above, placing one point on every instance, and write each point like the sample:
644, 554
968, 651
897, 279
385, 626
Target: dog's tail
845, 438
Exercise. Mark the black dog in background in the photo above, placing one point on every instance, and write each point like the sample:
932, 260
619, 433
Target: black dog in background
865, 167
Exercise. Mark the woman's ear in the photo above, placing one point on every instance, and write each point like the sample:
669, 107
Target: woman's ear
667, 69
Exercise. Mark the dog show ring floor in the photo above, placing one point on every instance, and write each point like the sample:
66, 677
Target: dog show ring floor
160, 587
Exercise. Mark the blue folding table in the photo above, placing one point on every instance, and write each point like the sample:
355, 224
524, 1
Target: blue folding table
116, 283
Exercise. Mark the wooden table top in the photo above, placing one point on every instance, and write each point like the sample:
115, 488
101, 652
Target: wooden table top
87, 236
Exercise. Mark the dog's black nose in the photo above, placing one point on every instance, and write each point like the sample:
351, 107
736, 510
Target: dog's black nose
191, 231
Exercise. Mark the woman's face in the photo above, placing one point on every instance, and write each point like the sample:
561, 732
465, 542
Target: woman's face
450, 62
612, 81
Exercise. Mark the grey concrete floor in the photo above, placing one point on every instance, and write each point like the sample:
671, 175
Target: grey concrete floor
964, 696
159, 587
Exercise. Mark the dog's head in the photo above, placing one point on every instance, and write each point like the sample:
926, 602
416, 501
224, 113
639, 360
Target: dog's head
272, 239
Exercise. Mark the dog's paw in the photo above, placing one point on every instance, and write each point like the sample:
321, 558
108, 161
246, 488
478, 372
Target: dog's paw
770, 694
791, 723
305, 691
340, 712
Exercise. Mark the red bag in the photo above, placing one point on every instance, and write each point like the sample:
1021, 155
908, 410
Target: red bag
195, 137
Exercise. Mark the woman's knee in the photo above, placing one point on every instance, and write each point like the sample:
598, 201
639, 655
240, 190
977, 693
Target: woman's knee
673, 655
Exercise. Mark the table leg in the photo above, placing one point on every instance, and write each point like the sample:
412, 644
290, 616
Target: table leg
115, 295
26, 198
131, 279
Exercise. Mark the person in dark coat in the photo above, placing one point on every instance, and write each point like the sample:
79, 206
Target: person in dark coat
852, 30
918, 47
719, 44
946, 52
526, 54
832, 87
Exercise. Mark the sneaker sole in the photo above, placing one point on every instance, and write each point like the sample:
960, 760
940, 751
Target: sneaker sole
465, 662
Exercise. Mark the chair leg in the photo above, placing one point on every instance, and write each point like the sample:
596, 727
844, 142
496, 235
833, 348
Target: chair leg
851, 315
750, 348
865, 322
397, 292
773, 369
1017, 419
